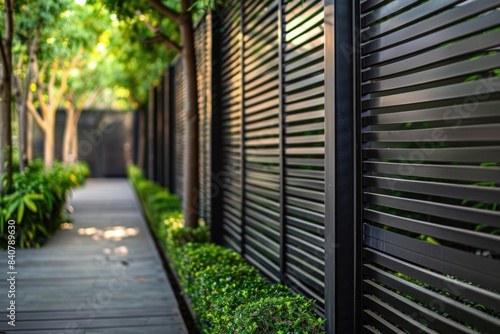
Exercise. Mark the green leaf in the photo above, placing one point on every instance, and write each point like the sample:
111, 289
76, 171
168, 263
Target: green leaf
20, 212
30, 204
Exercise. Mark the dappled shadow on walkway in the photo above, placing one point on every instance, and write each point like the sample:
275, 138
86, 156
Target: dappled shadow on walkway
101, 274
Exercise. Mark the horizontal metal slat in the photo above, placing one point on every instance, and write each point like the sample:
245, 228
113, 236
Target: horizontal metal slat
263, 264
389, 10
313, 260
452, 286
316, 126
303, 60
305, 105
444, 232
305, 84
305, 116
305, 277
309, 194
477, 155
485, 87
312, 162
473, 133
262, 192
305, 214
273, 205
453, 114
456, 15
405, 248
306, 246
263, 231
313, 271
304, 173
462, 68
458, 310
263, 214
395, 316
400, 303
315, 228
261, 242
299, 24
454, 212
471, 192
461, 30
305, 95
462, 48
296, 284
381, 325
415, 15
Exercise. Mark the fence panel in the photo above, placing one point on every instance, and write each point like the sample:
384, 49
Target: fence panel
230, 109
303, 59
431, 133
261, 197
202, 64
272, 106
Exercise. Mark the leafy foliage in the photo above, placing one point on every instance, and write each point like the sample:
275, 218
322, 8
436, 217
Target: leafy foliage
37, 201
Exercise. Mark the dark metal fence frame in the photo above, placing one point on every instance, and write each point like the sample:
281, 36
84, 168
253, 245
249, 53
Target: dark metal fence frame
344, 250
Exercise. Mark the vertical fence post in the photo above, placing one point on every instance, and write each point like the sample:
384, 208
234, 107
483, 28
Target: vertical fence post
281, 37
242, 129
143, 139
167, 154
151, 134
216, 131
341, 169
159, 134
135, 138
172, 129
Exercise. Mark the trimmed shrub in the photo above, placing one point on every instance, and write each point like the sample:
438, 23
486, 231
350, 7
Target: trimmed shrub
227, 295
37, 201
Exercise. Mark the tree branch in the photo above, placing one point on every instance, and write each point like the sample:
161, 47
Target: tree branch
34, 112
164, 10
64, 81
39, 86
160, 37
52, 82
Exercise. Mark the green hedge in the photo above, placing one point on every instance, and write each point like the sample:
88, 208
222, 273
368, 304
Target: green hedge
37, 201
227, 294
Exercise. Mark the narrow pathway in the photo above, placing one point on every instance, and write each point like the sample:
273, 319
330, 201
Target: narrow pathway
101, 275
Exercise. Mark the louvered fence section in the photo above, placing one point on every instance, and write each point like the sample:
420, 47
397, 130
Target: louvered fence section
303, 59
431, 137
230, 108
202, 64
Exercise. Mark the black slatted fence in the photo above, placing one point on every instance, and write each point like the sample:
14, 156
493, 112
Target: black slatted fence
431, 128
351, 149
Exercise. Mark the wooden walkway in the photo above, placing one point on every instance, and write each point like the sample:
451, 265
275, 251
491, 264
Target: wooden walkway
102, 276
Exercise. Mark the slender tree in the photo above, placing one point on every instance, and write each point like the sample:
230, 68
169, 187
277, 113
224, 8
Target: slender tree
179, 15
6, 98
49, 96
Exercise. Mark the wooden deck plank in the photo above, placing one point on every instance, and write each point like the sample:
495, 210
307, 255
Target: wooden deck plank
102, 276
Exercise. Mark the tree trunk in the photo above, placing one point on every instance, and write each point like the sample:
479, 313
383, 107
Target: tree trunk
74, 141
6, 103
6, 131
141, 141
68, 134
23, 109
29, 137
49, 141
191, 188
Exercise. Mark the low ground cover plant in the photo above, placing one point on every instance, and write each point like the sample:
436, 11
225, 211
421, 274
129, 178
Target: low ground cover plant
37, 201
227, 294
